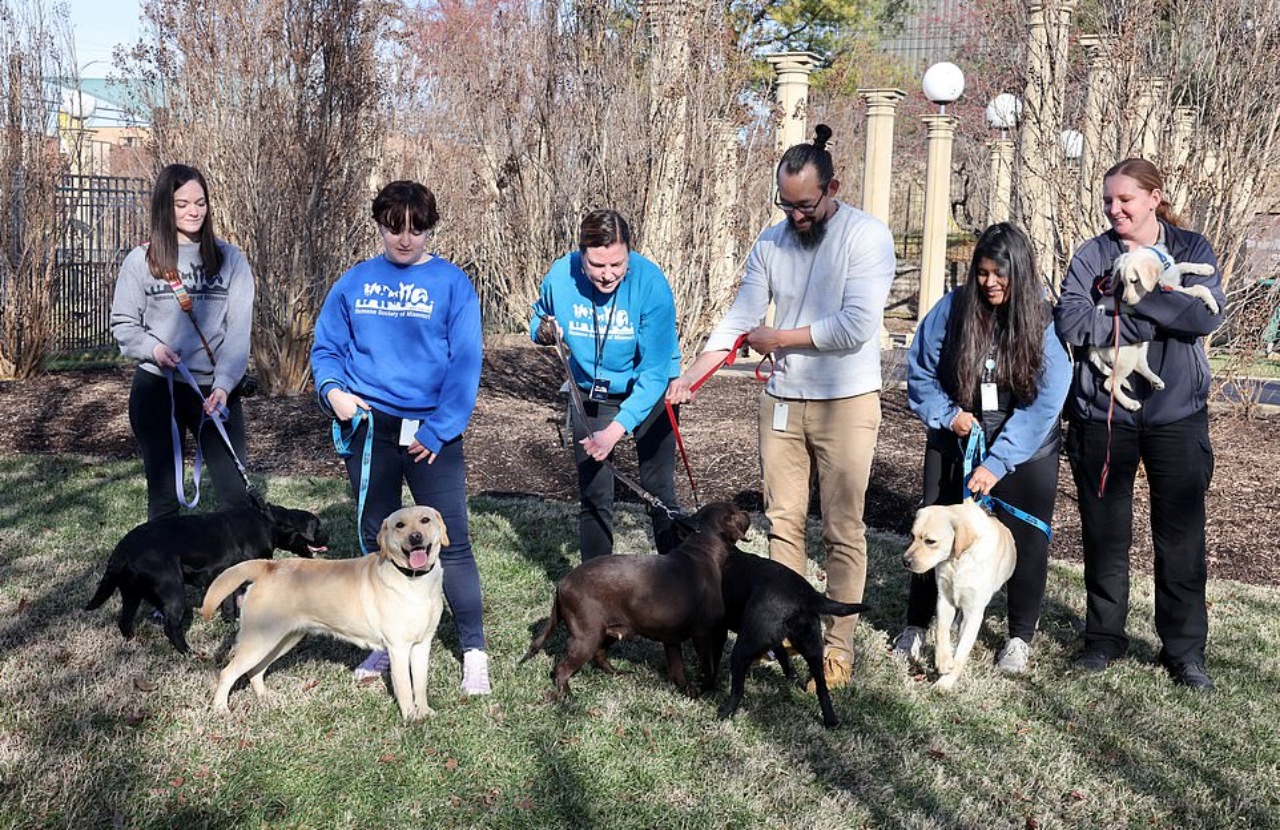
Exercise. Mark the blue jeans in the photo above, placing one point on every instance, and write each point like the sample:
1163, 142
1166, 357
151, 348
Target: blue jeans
441, 484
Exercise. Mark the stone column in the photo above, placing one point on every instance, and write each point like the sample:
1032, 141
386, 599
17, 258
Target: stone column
882, 105
999, 200
1150, 106
937, 209
792, 90
1180, 178
1101, 139
1040, 150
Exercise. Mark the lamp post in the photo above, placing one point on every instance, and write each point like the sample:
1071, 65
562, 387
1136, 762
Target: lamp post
1002, 114
942, 84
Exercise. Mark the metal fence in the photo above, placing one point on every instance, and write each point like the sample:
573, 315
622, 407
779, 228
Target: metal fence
103, 218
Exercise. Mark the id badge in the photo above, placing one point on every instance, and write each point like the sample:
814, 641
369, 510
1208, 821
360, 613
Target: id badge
408, 429
599, 390
779, 417
990, 399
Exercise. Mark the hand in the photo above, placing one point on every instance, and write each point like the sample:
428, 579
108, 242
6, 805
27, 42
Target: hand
981, 482
547, 330
963, 424
764, 339
165, 357
598, 445
344, 404
217, 400
420, 453
680, 390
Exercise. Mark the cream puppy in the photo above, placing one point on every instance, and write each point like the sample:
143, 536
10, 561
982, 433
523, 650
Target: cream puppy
391, 600
973, 555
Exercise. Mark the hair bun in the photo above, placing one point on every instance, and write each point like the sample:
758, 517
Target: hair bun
821, 135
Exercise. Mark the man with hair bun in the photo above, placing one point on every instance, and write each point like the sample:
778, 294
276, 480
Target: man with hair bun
827, 270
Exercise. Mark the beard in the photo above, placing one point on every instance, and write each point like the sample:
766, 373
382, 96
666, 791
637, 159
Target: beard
813, 236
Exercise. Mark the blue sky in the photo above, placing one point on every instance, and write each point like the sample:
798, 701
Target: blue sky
98, 26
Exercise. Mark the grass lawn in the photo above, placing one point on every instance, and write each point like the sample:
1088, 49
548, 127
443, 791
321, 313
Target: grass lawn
99, 732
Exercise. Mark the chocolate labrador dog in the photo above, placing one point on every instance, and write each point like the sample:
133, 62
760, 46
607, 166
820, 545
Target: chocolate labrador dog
157, 559
765, 602
669, 598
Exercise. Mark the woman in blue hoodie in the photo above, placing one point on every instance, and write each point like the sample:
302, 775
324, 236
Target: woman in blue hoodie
986, 358
396, 361
617, 316
1169, 433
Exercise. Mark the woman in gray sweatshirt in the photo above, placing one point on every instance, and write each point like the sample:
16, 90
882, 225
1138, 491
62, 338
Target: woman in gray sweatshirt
184, 296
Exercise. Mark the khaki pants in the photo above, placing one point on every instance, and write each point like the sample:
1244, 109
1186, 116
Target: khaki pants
837, 437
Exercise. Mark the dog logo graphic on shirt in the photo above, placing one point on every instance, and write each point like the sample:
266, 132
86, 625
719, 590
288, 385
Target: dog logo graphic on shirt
404, 300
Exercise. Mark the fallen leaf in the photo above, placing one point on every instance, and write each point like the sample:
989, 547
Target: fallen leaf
387, 758
451, 764
23, 605
937, 753
491, 797
620, 732
135, 720
145, 685
309, 685
455, 801
177, 782
525, 804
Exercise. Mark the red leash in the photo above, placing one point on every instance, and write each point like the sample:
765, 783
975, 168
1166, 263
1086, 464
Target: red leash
1111, 407
693, 387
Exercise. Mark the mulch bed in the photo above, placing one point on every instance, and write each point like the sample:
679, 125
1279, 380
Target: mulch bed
514, 448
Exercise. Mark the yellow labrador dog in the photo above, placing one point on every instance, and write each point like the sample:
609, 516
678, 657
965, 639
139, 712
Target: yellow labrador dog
973, 555
391, 600
1139, 272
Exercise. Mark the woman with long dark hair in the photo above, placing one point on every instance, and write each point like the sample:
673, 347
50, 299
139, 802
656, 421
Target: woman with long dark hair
1169, 434
986, 358
185, 296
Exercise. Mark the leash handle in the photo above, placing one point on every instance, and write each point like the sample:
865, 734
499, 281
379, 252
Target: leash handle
342, 443
975, 449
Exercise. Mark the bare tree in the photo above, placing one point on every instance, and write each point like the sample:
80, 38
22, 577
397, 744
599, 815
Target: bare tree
278, 102
34, 50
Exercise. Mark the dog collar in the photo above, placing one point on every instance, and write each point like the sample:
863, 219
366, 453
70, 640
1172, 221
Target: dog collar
412, 574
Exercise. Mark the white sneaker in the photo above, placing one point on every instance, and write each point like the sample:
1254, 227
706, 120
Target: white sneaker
909, 643
475, 672
1013, 658
373, 666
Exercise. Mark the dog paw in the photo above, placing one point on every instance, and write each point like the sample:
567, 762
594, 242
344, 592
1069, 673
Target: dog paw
946, 683
1131, 405
1212, 306
944, 665
1157, 384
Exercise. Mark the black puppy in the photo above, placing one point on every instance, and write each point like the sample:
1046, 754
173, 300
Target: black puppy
155, 560
765, 602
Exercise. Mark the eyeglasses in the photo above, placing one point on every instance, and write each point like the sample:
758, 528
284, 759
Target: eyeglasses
804, 210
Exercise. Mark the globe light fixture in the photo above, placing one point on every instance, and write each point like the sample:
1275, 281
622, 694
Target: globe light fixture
1072, 144
1004, 111
943, 83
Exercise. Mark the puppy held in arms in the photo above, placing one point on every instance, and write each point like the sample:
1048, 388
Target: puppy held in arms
1139, 273
972, 555
391, 599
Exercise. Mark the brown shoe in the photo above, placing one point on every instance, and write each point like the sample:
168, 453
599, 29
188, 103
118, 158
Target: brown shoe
837, 668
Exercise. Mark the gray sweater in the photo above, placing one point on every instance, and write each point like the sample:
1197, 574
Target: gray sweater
144, 312
838, 289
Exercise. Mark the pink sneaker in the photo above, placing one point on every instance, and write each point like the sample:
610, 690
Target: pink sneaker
373, 666
475, 672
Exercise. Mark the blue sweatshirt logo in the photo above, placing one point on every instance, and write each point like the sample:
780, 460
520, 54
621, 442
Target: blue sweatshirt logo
405, 300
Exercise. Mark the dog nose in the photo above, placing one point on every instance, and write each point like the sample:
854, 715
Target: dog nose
906, 561
415, 539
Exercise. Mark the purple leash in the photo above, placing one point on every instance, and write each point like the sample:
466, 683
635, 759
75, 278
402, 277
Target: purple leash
198, 465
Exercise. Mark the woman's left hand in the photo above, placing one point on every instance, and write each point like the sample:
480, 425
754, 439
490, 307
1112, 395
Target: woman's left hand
420, 453
217, 400
981, 482
598, 445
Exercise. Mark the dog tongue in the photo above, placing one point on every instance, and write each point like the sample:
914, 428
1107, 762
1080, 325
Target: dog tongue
417, 559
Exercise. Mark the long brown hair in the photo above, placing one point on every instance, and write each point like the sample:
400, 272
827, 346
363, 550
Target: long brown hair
162, 253
1016, 327
1148, 177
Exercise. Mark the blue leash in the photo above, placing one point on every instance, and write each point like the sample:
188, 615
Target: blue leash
222, 415
974, 450
342, 444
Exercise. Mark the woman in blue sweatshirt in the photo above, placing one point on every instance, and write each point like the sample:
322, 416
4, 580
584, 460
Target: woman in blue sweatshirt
986, 358
398, 350
617, 315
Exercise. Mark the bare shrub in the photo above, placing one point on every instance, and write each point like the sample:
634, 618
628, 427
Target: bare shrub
277, 101
34, 47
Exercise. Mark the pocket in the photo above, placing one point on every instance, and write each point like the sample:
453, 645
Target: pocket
1206, 450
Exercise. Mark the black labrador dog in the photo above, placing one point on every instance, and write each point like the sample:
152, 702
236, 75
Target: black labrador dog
157, 559
766, 602
670, 598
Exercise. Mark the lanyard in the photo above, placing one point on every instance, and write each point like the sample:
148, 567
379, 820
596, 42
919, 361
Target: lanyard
601, 342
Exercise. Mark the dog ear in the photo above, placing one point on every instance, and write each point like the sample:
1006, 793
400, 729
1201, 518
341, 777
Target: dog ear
382, 539
965, 535
444, 531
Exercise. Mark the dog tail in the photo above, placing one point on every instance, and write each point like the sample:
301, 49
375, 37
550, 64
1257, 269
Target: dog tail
231, 579
540, 639
835, 608
107, 587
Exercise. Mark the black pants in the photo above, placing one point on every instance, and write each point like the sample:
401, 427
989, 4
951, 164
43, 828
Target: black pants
1178, 461
1032, 487
149, 406
655, 451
